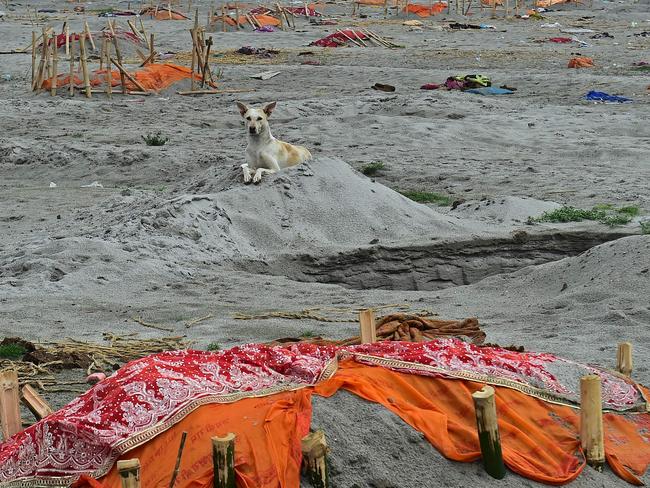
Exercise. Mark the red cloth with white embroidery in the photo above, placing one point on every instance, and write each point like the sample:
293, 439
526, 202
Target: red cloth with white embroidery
149, 395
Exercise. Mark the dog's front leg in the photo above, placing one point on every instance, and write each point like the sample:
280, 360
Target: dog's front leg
272, 167
259, 172
247, 173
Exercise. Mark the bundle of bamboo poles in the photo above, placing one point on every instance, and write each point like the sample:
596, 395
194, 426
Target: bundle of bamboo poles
48, 66
200, 57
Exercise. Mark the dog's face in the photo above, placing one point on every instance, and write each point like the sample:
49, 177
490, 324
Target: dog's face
256, 120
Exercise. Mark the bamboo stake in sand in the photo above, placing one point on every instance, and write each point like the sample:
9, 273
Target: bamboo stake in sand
55, 68
129, 470
488, 432
367, 325
9, 404
314, 452
90, 36
71, 87
33, 57
223, 19
125, 73
178, 459
624, 363
194, 60
223, 461
84, 66
205, 67
67, 40
109, 71
35, 402
38, 82
118, 54
591, 421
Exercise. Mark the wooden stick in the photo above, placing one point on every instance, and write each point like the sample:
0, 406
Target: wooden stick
205, 68
367, 326
38, 82
84, 65
194, 57
67, 39
109, 71
35, 403
10, 420
90, 36
358, 37
314, 454
152, 51
127, 75
212, 92
55, 68
135, 31
33, 57
71, 87
223, 19
488, 432
348, 38
129, 470
624, 363
178, 459
223, 461
591, 421
237, 14
123, 73
494, 9
142, 29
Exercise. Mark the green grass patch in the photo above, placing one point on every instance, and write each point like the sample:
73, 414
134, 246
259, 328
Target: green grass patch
645, 227
213, 346
308, 333
603, 213
12, 351
371, 169
156, 139
427, 197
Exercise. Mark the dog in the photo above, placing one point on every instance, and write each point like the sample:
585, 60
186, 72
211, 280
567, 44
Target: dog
264, 153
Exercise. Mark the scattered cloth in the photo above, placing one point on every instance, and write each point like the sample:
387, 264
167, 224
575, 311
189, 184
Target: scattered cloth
341, 38
425, 10
490, 90
456, 25
306, 12
430, 86
163, 13
117, 13
265, 28
260, 52
561, 40
555, 25
602, 35
581, 62
596, 96
383, 87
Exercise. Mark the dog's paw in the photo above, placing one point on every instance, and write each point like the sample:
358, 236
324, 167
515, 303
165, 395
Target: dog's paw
247, 178
257, 178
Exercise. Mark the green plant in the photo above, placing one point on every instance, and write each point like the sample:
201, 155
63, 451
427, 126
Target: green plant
603, 213
155, 139
213, 346
645, 227
308, 333
12, 351
371, 169
426, 197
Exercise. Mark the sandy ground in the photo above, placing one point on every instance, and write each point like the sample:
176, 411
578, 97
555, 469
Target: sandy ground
174, 235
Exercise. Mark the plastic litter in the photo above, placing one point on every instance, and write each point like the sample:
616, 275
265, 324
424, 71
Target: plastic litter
602, 97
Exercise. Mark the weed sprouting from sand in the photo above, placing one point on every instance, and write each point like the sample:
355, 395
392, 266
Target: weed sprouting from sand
156, 139
645, 227
213, 346
427, 197
12, 351
603, 213
371, 169
308, 333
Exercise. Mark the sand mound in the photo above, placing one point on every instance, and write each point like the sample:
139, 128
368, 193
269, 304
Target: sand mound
504, 209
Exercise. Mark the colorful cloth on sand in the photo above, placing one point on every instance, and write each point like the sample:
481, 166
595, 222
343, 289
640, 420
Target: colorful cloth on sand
340, 38
149, 395
596, 96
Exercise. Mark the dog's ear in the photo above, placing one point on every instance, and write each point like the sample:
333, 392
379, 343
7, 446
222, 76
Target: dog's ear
268, 110
242, 108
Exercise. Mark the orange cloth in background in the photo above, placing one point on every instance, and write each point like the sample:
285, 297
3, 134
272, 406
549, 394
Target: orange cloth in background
266, 19
424, 10
581, 62
539, 439
267, 447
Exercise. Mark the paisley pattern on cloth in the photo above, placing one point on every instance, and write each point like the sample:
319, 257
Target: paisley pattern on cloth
150, 395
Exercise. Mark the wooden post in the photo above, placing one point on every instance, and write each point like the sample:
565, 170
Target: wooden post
591, 421
624, 363
67, 39
109, 72
237, 14
151, 47
367, 325
223, 460
205, 66
129, 470
223, 19
118, 55
494, 9
33, 57
10, 420
90, 36
488, 432
35, 403
178, 460
84, 65
314, 453
194, 60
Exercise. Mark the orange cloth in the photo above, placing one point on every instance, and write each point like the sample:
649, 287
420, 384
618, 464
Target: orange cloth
266, 20
581, 62
267, 447
152, 77
424, 10
539, 440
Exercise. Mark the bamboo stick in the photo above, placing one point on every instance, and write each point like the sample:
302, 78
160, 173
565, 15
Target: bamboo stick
223, 19
84, 65
367, 326
71, 87
67, 39
90, 36
55, 68
194, 60
237, 14
488, 432
591, 421
109, 71
42, 64
124, 72
118, 55
129, 470
205, 67
178, 460
223, 461
152, 51
624, 363
33, 57
35, 403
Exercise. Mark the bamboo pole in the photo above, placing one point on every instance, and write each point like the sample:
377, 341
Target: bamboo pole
624, 363
35, 403
10, 421
205, 66
118, 55
152, 51
129, 470
102, 54
223, 461
38, 83
488, 432
237, 14
591, 421
109, 71
33, 57
367, 326
55, 68
71, 86
178, 459
67, 40
125, 73
314, 453
84, 65
194, 58
90, 36
223, 19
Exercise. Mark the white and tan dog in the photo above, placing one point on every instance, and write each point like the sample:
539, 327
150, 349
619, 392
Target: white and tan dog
264, 153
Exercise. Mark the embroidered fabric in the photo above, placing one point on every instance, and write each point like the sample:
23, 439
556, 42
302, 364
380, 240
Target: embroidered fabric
149, 395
